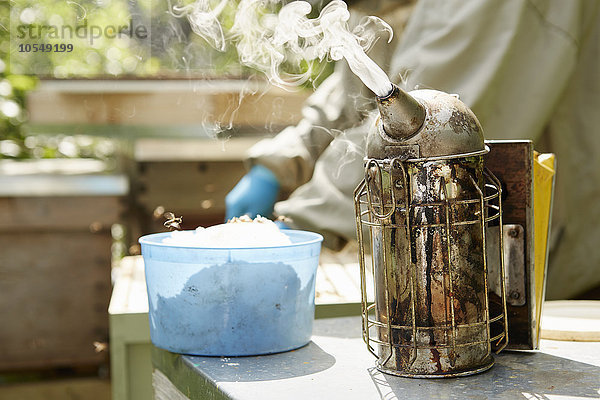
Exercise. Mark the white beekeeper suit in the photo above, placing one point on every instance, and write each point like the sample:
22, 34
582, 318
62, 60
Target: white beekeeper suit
529, 69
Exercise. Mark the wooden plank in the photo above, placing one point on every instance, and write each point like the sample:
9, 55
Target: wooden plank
118, 108
152, 149
150, 85
122, 289
571, 320
132, 132
340, 280
59, 166
57, 185
164, 389
59, 213
176, 372
512, 163
139, 365
325, 290
192, 189
353, 272
131, 368
60, 177
336, 310
59, 287
142, 103
120, 379
260, 109
345, 287
61, 389
135, 301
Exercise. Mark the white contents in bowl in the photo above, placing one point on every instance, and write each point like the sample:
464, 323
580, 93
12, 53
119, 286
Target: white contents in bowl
238, 232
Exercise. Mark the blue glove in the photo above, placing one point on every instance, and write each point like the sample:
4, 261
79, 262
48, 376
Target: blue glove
254, 194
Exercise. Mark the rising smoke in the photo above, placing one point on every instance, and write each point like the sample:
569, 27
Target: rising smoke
267, 40
204, 20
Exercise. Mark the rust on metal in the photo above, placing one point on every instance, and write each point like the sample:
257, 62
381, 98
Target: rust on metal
425, 220
401, 115
423, 209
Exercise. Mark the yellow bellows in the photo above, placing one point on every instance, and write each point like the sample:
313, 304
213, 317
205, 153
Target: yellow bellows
543, 188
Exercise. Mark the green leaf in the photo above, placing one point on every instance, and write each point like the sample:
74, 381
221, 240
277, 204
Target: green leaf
22, 82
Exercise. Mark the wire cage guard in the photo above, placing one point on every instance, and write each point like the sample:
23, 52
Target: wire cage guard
425, 221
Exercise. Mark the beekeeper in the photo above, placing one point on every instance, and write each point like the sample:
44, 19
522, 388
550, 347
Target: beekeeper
529, 69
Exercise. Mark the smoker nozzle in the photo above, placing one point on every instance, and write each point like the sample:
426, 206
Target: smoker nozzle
401, 114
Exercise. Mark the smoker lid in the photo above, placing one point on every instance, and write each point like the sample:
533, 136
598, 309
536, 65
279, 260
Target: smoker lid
450, 129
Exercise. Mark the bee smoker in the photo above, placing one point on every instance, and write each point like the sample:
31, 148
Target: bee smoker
423, 208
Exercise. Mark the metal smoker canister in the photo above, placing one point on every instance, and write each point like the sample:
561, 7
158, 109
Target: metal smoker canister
423, 209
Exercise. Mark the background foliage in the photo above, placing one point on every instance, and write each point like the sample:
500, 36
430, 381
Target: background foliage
172, 51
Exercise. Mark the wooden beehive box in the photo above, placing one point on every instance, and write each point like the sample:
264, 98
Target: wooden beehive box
171, 125
188, 177
55, 262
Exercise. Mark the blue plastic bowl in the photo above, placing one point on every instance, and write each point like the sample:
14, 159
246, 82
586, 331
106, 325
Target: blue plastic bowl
231, 301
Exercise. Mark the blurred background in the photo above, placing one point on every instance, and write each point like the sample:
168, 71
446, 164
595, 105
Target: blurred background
96, 144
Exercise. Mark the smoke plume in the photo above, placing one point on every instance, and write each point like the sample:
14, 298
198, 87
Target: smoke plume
271, 41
